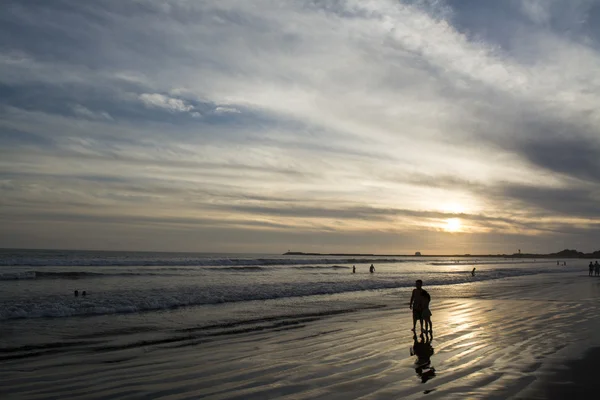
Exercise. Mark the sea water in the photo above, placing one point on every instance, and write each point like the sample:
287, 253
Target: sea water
158, 296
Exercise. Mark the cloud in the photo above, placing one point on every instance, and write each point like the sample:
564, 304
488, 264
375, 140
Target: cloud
226, 110
87, 113
343, 116
156, 100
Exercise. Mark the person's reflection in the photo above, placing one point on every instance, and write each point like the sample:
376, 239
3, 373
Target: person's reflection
423, 350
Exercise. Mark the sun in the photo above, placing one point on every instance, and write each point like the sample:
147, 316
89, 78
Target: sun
453, 225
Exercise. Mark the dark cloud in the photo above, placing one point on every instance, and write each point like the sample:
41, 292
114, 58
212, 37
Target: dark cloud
115, 219
81, 33
544, 201
575, 156
16, 137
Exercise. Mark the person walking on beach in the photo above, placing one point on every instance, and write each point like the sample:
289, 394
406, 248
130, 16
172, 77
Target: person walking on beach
354, 269
419, 304
371, 269
473, 272
596, 268
591, 268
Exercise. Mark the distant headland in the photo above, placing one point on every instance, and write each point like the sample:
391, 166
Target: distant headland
561, 254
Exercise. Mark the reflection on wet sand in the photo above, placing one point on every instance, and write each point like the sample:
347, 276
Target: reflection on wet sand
423, 350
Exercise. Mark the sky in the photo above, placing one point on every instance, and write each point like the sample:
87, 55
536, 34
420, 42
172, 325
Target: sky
373, 126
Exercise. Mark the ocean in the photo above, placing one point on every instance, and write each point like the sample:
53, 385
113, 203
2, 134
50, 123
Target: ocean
41, 283
262, 326
161, 295
144, 291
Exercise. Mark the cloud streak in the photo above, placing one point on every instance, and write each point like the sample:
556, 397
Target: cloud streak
351, 118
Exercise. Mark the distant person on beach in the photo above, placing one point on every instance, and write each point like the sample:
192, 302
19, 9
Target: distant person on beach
354, 269
596, 268
557, 263
473, 272
76, 293
371, 269
419, 304
591, 268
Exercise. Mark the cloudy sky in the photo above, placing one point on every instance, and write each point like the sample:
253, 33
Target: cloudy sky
389, 126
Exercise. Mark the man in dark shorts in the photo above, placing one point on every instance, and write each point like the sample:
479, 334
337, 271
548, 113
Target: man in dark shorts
418, 303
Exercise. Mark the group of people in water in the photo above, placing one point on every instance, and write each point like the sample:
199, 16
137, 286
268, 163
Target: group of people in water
594, 269
371, 269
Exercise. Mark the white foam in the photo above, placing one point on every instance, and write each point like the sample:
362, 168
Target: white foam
128, 301
9, 276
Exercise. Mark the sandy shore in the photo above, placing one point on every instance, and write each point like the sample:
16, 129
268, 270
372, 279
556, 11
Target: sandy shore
502, 339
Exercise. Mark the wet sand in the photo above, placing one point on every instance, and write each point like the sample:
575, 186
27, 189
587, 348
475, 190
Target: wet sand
576, 379
511, 338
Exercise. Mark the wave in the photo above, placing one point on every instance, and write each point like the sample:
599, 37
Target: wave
13, 276
237, 269
259, 269
493, 262
311, 267
142, 300
189, 261
26, 275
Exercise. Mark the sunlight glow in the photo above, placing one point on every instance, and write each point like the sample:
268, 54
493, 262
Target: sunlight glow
453, 225
453, 208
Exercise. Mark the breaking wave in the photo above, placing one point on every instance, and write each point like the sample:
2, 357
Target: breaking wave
187, 261
9, 276
132, 301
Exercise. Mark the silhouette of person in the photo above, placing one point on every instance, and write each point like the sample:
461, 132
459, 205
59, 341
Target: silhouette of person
354, 269
423, 350
426, 313
473, 272
596, 268
371, 269
83, 293
419, 304
76, 293
591, 268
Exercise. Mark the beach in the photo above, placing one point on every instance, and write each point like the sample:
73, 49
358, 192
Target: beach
504, 338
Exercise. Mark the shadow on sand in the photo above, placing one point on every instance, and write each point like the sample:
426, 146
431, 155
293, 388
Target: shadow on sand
423, 350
